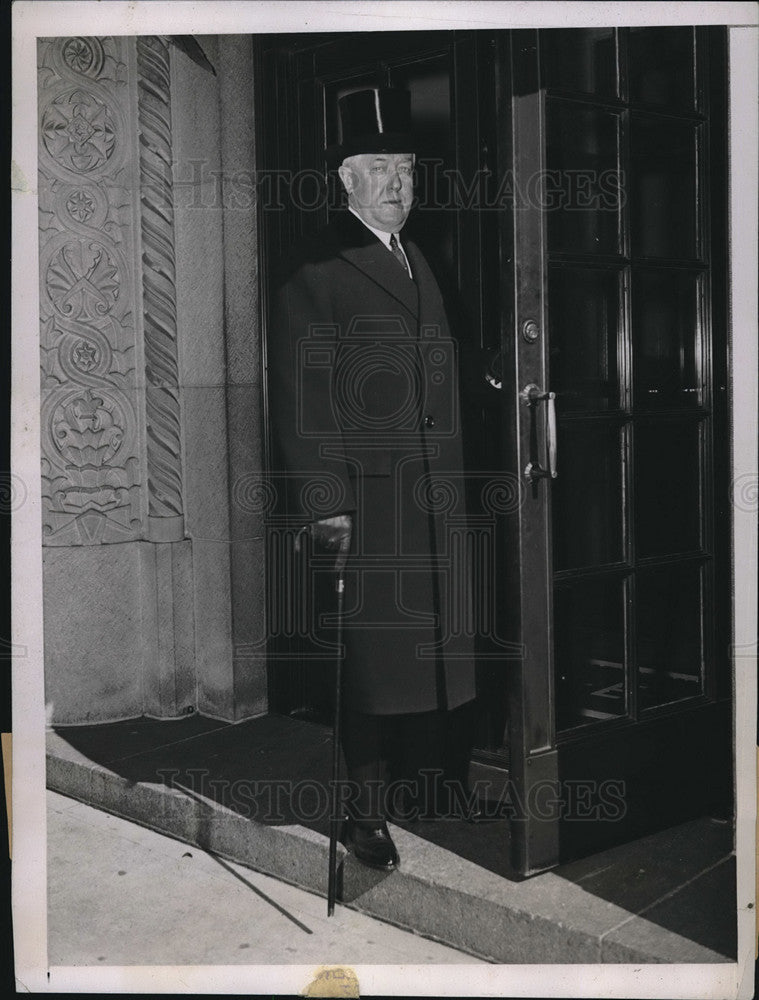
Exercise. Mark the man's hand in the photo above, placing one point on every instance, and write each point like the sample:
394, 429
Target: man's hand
333, 533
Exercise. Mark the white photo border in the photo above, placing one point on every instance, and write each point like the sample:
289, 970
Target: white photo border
44, 19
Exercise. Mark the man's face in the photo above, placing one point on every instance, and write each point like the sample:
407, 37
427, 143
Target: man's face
380, 188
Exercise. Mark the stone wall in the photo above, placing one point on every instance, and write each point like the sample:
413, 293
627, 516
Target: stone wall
151, 406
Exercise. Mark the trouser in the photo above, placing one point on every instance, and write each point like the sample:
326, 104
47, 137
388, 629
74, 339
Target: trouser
407, 766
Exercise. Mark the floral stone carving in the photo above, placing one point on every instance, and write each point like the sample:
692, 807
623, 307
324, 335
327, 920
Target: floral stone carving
82, 280
78, 131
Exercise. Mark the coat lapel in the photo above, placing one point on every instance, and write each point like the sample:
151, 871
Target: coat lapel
363, 250
430, 301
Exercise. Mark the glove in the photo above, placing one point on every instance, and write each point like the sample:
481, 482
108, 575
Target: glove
332, 533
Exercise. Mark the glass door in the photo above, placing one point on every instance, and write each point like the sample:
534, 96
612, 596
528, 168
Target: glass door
617, 348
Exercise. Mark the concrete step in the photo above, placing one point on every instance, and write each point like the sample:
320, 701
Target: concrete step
210, 784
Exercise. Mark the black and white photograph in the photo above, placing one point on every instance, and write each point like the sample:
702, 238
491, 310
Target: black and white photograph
384, 498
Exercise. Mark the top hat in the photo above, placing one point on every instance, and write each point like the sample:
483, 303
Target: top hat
373, 121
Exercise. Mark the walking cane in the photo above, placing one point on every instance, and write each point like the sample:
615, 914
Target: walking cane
334, 822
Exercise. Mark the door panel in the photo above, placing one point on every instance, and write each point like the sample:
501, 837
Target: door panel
582, 61
583, 201
663, 171
666, 342
635, 550
661, 66
669, 634
589, 649
588, 502
667, 519
584, 311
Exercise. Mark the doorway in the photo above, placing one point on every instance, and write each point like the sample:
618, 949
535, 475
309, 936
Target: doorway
571, 190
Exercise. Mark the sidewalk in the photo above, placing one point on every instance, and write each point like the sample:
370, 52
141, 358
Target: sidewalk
120, 894
667, 897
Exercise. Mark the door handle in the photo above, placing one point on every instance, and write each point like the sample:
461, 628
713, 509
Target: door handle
531, 395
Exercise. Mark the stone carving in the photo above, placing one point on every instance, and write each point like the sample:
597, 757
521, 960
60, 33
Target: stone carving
84, 55
87, 430
82, 280
87, 194
83, 208
90, 431
81, 354
159, 290
80, 205
80, 59
85, 355
78, 131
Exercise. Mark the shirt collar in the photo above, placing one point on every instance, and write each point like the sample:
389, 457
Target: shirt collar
382, 236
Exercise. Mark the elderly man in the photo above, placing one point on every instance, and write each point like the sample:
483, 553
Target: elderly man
363, 379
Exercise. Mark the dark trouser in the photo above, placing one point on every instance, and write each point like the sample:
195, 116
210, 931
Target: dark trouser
407, 766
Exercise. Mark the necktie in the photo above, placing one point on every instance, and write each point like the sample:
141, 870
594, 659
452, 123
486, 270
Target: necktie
398, 253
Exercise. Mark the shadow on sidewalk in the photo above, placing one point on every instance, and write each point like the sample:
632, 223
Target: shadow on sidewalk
275, 770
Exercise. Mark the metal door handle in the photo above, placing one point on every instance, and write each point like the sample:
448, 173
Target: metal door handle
532, 394
551, 441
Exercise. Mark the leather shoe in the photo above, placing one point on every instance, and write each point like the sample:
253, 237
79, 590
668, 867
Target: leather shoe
372, 845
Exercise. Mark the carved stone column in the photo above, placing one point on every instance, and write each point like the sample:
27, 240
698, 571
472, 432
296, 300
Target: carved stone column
153, 566
92, 469
165, 521
119, 634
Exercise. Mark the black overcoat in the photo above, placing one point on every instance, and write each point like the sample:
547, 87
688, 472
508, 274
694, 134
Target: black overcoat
364, 402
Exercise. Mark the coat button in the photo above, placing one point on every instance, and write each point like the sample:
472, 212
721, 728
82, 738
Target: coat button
429, 421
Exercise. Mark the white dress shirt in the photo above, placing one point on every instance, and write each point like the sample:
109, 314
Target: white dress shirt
384, 238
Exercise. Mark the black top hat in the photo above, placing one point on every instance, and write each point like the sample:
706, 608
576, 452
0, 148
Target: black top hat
373, 121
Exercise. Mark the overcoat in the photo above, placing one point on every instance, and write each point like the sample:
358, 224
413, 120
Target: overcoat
364, 404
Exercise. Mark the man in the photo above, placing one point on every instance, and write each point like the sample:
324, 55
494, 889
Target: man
363, 395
